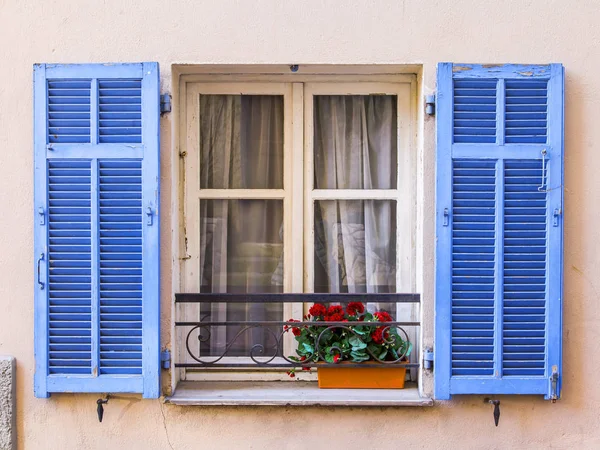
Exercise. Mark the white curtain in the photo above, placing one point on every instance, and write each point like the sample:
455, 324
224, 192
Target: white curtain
355, 147
241, 147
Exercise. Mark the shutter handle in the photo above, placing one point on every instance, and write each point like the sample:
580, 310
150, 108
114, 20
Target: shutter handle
42, 215
149, 214
446, 217
39, 262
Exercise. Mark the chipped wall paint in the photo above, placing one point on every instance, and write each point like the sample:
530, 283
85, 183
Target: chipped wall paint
318, 32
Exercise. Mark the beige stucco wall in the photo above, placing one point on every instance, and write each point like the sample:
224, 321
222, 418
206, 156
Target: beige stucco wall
311, 31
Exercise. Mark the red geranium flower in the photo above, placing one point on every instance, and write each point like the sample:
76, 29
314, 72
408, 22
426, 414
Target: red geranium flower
335, 313
383, 316
355, 308
335, 309
295, 330
336, 358
317, 310
379, 336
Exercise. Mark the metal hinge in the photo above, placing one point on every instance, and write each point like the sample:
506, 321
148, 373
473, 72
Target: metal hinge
165, 103
165, 359
428, 359
557, 213
430, 105
554, 384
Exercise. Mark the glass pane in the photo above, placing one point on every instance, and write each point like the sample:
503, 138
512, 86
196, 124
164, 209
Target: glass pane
355, 141
355, 246
241, 142
241, 248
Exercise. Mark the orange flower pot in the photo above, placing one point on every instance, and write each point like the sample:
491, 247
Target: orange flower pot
340, 377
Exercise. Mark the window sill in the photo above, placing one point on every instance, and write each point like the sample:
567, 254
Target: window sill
294, 393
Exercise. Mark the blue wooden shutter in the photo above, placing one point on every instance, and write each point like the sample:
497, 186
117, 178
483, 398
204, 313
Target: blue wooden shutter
96, 144
499, 206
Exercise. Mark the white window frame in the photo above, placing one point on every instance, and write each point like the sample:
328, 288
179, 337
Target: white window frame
297, 193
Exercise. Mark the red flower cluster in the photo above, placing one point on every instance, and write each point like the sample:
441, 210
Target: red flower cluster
295, 330
335, 313
336, 358
355, 308
379, 336
317, 310
383, 316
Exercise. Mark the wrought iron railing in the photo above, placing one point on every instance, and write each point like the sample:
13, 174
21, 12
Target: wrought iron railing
200, 331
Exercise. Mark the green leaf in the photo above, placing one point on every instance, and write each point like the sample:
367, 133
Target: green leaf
360, 329
383, 354
373, 348
356, 343
308, 347
359, 356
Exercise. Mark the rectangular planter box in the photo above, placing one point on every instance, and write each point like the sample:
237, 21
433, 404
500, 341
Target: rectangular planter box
361, 377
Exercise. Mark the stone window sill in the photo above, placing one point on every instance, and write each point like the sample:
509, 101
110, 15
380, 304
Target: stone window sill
295, 393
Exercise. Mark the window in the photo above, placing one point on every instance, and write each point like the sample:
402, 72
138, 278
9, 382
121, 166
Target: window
294, 187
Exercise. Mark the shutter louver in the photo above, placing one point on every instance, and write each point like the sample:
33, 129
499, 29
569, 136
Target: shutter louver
473, 255
120, 110
120, 267
69, 111
475, 111
499, 230
526, 115
96, 230
524, 306
70, 271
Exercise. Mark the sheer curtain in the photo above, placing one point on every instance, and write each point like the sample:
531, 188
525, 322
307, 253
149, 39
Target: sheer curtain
355, 147
241, 147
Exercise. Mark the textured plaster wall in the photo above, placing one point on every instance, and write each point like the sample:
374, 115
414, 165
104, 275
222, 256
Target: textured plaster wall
311, 31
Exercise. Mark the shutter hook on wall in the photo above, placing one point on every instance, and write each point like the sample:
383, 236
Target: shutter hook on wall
100, 408
496, 404
542, 188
